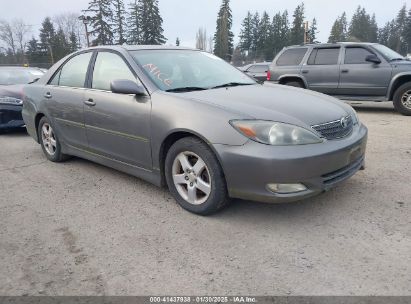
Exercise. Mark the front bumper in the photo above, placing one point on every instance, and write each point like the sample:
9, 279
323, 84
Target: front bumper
10, 116
250, 168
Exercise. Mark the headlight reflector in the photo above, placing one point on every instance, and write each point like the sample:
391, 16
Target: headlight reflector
275, 133
10, 100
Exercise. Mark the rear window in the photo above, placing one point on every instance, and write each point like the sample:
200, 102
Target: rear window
258, 69
326, 56
291, 57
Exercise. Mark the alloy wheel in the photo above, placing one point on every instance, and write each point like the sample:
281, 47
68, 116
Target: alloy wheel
191, 178
49, 139
406, 99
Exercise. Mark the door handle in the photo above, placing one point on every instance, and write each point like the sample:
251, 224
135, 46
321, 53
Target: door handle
304, 71
90, 102
345, 71
48, 95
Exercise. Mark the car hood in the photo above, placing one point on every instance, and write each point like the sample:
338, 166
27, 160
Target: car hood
274, 102
11, 90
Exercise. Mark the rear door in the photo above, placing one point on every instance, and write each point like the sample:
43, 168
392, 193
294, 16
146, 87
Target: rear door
322, 71
64, 96
258, 71
362, 78
117, 125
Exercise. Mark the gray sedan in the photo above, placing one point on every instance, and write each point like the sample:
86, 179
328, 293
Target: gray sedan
187, 119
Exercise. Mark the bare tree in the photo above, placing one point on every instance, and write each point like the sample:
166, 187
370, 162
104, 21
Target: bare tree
14, 36
201, 39
70, 23
210, 44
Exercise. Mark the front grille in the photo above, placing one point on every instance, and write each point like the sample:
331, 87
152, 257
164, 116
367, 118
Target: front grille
335, 129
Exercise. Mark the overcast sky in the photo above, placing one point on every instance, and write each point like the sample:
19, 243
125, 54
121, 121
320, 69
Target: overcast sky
182, 18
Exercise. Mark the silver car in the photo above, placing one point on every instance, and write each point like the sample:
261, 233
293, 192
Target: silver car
187, 119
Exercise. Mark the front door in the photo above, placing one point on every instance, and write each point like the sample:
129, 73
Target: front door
322, 71
362, 78
117, 125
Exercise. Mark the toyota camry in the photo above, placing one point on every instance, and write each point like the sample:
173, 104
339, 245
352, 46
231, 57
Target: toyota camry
188, 120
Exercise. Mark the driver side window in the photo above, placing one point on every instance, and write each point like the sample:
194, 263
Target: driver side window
109, 67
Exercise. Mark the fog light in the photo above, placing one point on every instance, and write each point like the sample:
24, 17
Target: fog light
286, 188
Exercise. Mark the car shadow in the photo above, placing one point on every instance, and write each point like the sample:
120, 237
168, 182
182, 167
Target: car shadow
14, 132
374, 107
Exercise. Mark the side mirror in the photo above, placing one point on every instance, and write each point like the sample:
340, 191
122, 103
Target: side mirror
124, 86
373, 59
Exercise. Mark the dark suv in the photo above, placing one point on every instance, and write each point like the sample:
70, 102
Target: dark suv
349, 71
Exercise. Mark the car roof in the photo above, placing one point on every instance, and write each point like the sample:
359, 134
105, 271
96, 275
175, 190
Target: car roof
330, 44
141, 47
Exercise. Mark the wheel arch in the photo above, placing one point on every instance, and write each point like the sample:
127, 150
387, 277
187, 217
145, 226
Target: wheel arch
398, 81
173, 137
286, 78
37, 119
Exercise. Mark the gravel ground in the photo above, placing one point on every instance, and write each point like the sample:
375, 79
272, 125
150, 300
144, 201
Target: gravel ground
78, 228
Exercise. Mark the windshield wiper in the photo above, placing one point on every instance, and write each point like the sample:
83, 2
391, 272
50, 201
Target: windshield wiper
231, 84
186, 89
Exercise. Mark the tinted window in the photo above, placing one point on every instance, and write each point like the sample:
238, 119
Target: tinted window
356, 55
292, 57
109, 67
327, 56
73, 73
258, 69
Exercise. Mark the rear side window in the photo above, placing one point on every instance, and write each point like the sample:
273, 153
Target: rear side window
74, 72
356, 55
326, 56
258, 69
291, 57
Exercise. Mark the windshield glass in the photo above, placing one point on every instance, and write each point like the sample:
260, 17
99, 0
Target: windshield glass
176, 69
387, 52
10, 76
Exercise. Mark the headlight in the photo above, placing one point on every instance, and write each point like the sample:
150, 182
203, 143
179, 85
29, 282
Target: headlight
275, 133
11, 100
354, 117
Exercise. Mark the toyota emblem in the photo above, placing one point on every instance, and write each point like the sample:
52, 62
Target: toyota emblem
344, 122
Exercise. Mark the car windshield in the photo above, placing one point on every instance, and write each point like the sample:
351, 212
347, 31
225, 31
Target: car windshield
387, 52
10, 76
187, 70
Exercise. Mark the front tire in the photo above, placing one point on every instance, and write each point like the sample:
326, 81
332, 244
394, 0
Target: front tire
49, 141
194, 177
402, 99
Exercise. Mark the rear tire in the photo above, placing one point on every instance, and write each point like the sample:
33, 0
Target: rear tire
402, 99
194, 177
296, 84
49, 141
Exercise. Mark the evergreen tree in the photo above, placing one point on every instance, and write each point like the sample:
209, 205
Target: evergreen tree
363, 27
34, 53
47, 35
101, 16
255, 32
297, 30
246, 34
133, 23
61, 47
178, 41
151, 23
400, 31
313, 31
224, 37
339, 30
119, 22
264, 44
73, 42
407, 32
